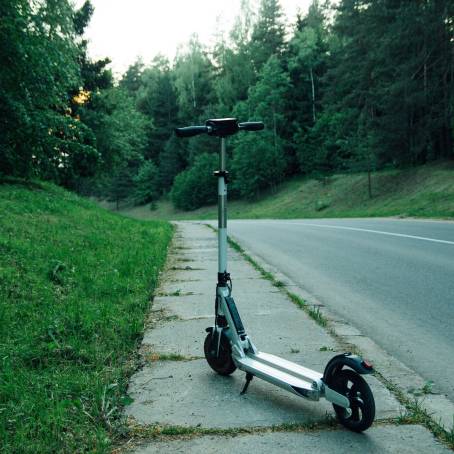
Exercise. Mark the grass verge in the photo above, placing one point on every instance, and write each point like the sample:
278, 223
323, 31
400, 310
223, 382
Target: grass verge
75, 287
425, 191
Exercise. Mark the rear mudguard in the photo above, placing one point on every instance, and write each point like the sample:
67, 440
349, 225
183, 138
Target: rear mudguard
338, 362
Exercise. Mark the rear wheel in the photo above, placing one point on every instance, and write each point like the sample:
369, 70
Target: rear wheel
222, 364
361, 413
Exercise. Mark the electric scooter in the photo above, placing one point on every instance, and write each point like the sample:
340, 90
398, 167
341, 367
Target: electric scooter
228, 347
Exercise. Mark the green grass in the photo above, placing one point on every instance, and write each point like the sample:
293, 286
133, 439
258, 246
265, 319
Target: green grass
425, 191
75, 286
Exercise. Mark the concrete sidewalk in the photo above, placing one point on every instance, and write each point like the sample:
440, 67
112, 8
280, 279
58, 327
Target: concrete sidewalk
176, 388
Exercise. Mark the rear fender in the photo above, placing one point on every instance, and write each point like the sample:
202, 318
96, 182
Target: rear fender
338, 362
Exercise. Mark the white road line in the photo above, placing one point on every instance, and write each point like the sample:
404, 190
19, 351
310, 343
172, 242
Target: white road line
380, 232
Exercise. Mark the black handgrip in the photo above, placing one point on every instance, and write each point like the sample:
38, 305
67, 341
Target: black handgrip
190, 131
251, 126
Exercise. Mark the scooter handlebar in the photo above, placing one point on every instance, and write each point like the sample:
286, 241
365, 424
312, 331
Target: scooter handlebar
220, 127
190, 131
251, 126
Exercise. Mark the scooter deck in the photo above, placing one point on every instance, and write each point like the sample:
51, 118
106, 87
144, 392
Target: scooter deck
285, 374
288, 366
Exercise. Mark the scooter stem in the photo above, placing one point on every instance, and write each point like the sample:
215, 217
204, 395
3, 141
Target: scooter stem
222, 211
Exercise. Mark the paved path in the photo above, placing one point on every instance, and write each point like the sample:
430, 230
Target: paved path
393, 279
176, 388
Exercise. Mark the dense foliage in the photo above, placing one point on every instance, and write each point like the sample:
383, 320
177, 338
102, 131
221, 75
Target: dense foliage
352, 85
195, 186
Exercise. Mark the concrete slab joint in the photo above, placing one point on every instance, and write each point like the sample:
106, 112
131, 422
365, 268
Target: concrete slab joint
181, 405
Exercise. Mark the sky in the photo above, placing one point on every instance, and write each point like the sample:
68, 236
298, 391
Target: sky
124, 30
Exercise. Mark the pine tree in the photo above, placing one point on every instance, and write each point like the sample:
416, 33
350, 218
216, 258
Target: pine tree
156, 98
172, 161
193, 81
259, 161
268, 33
131, 80
146, 183
235, 73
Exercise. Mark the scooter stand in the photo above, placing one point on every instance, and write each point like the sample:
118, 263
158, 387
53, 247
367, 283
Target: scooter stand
249, 378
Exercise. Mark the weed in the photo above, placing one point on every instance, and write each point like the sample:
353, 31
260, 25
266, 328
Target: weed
324, 348
312, 311
296, 300
177, 292
170, 318
154, 356
316, 315
185, 268
427, 388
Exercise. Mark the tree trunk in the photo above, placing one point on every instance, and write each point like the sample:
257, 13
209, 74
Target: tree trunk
313, 94
193, 91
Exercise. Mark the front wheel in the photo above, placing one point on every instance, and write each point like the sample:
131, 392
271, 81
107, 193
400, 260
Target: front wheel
222, 364
361, 413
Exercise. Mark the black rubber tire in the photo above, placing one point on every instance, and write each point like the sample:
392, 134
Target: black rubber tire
223, 364
361, 413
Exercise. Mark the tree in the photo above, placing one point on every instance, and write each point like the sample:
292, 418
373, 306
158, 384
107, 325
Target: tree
267, 97
193, 81
196, 186
259, 161
146, 184
388, 72
122, 184
132, 78
257, 164
234, 72
156, 98
119, 128
94, 74
268, 33
39, 69
307, 57
416, 82
172, 161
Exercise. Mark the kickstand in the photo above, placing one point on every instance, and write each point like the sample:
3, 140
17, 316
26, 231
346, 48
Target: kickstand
249, 378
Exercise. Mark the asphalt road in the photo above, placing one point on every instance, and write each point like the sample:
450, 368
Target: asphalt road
392, 279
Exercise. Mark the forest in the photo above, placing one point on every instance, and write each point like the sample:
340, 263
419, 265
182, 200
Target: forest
352, 85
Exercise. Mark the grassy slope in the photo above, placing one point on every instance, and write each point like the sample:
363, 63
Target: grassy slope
75, 285
426, 191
